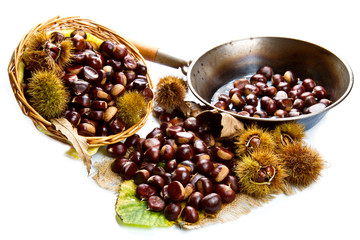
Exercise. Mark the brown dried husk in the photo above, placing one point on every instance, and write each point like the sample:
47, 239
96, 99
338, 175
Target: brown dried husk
70, 23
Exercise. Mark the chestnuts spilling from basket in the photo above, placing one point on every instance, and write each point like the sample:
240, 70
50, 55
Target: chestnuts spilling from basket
101, 85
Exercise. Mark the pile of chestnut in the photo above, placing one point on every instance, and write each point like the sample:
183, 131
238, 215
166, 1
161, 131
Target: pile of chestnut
96, 78
179, 168
268, 94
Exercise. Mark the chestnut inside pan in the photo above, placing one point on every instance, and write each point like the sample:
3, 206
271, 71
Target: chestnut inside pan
240, 58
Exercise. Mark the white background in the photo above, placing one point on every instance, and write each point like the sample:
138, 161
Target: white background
46, 195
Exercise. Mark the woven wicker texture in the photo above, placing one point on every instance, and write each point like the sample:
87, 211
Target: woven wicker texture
59, 24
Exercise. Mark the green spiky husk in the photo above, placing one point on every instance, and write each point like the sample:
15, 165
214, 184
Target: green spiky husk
240, 141
246, 169
47, 94
170, 92
131, 107
302, 163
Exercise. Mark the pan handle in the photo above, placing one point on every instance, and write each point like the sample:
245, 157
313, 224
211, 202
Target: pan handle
156, 55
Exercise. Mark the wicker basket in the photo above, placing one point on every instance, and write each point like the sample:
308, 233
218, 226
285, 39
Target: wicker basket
15, 70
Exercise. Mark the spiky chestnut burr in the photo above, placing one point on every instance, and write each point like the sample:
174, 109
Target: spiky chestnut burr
253, 138
131, 107
302, 163
42, 52
260, 174
47, 94
288, 133
170, 92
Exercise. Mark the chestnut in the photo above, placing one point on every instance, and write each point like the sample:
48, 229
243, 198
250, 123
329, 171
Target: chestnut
195, 199
158, 170
155, 133
308, 84
73, 117
204, 166
176, 191
251, 99
153, 154
157, 181
185, 152
204, 185
171, 165
221, 104
90, 74
167, 152
290, 77
276, 79
152, 142
172, 130
240, 83
82, 100
189, 189
116, 150
266, 71
116, 126
141, 176
191, 124
172, 211
319, 92
110, 113
271, 107
147, 166
280, 113
136, 156
119, 51
284, 86
128, 170
258, 78
219, 173
225, 192
144, 191
189, 165
184, 137
106, 48
181, 174
270, 91
211, 203
233, 182
79, 42
155, 203
86, 129
189, 214
249, 88
118, 163
199, 146
102, 130
225, 98
130, 62
130, 141
223, 154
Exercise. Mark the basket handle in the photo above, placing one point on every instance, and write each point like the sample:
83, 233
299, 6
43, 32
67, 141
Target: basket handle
156, 55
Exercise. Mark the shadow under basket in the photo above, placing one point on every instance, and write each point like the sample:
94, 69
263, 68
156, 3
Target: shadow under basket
98, 33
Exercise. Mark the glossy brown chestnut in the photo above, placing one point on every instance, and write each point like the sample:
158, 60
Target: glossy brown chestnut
190, 214
116, 150
176, 191
181, 174
172, 211
144, 191
211, 203
225, 192
155, 203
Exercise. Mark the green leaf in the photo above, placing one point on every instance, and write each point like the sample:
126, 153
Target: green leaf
134, 212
